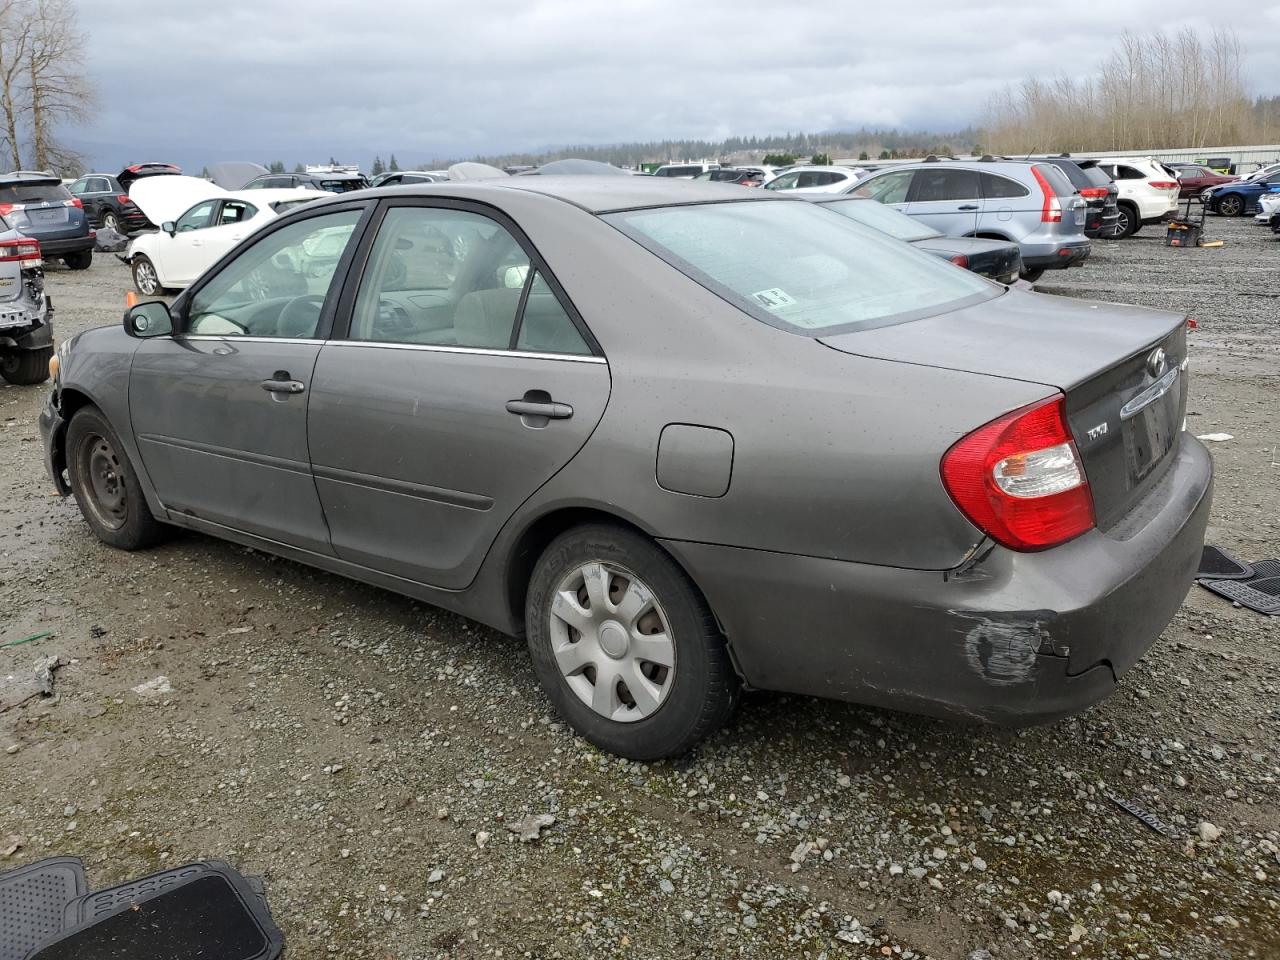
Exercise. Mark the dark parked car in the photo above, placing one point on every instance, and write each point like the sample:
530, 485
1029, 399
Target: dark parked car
1241, 197
996, 259
401, 177
751, 177
756, 443
1102, 218
329, 182
1194, 179
106, 197
38, 205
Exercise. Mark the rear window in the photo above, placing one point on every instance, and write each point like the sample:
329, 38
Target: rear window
885, 219
1057, 179
1096, 177
796, 267
1073, 173
342, 186
33, 192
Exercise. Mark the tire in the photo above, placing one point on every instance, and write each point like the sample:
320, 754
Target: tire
79, 261
682, 702
110, 221
145, 277
1232, 205
1129, 222
106, 486
1031, 276
23, 368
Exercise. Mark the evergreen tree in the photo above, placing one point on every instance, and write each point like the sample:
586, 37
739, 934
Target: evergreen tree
277, 166
394, 167
299, 168
863, 156
204, 172
377, 166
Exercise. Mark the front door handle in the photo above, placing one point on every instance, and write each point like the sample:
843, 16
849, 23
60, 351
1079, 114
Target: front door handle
535, 408
283, 386
968, 206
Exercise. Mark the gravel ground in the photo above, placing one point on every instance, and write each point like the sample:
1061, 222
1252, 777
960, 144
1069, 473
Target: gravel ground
369, 756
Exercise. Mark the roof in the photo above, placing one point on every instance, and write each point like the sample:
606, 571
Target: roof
271, 195
597, 194
21, 176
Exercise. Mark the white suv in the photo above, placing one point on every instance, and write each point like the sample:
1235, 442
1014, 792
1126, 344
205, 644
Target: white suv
812, 179
1148, 191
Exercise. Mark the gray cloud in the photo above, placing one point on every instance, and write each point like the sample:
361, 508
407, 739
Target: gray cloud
266, 79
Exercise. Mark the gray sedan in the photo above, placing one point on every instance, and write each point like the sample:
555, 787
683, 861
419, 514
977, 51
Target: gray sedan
684, 437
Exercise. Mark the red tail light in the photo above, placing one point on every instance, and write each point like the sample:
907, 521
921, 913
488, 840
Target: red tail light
1094, 193
1051, 210
8, 208
73, 202
960, 260
26, 251
1163, 184
1019, 479
123, 198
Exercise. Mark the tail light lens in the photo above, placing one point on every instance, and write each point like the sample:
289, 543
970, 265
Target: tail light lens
1020, 480
1094, 193
960, 260
1051, 208
73, 202
123, 199
1163, 184
8, 208
25, 250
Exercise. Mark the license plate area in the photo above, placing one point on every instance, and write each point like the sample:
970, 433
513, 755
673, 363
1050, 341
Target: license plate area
1150, 433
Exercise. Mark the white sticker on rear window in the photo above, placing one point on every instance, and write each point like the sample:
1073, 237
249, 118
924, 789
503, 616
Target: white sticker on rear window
774, 298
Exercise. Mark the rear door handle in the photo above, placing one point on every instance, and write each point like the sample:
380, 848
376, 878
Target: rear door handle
968, 206
283, 386
533, 408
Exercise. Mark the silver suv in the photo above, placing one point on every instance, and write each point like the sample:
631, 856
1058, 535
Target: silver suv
26, 315
1032, 204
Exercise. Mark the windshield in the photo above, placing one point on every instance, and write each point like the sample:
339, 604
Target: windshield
796, 267
879, 217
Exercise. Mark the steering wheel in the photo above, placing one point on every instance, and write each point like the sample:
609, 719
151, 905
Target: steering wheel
300, 316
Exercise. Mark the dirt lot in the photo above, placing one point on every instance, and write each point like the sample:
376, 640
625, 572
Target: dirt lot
366, 754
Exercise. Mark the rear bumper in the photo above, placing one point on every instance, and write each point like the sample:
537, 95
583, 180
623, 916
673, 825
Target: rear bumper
68, 245
1058, 257
1163, 218
1017, 638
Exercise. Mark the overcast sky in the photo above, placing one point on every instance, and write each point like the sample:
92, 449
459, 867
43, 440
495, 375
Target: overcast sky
196, 82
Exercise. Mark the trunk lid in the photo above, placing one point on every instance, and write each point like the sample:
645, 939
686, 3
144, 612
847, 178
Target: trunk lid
1125, 409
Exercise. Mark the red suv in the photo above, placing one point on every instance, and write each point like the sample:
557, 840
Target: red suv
1194, 179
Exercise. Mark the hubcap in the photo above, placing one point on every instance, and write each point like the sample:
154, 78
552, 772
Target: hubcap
612, 641
107, 496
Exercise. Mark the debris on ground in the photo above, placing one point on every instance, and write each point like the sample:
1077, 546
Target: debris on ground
1216, 437
154, 688
17, 690
530, 828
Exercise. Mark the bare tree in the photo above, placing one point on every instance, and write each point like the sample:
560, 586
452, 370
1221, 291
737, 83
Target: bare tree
42, 80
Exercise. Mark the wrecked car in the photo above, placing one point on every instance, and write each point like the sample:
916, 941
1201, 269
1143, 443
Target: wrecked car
684, 437
26, 313
200, 232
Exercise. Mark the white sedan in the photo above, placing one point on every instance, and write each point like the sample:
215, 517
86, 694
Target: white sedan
212, 221
812, 179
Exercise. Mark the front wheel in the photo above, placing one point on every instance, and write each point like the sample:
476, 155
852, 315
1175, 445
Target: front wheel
80, 261
625, 645
106, 486
24, 368
1231, 206
1031, 276
145, 277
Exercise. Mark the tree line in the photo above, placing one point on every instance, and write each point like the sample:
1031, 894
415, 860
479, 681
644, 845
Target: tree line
42, 82
1154, 91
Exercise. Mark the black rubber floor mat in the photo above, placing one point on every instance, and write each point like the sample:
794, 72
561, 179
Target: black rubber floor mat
1217, 564
1260, 593
102, 903
212, 914
32, 899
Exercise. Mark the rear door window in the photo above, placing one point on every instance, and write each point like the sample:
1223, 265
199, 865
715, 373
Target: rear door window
1126, 172
995, 187
945, 184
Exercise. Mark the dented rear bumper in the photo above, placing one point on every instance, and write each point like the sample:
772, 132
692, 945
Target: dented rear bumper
1012, 638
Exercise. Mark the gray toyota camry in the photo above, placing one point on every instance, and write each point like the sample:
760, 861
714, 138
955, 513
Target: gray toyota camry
685, 438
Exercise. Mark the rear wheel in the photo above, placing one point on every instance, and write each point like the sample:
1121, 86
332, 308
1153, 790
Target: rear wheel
625, 645
110, 221
1231, 205
79, 261
1031, 276
106, 486
1128, 223
145, 277
26, 367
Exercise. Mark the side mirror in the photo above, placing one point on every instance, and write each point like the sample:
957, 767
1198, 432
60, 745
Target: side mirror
169, 227
150, 319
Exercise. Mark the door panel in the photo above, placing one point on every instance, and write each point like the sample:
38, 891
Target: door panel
418, 461
947, 199
218, 445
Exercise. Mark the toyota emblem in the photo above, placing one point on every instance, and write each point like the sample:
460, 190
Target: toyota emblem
1156, 363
